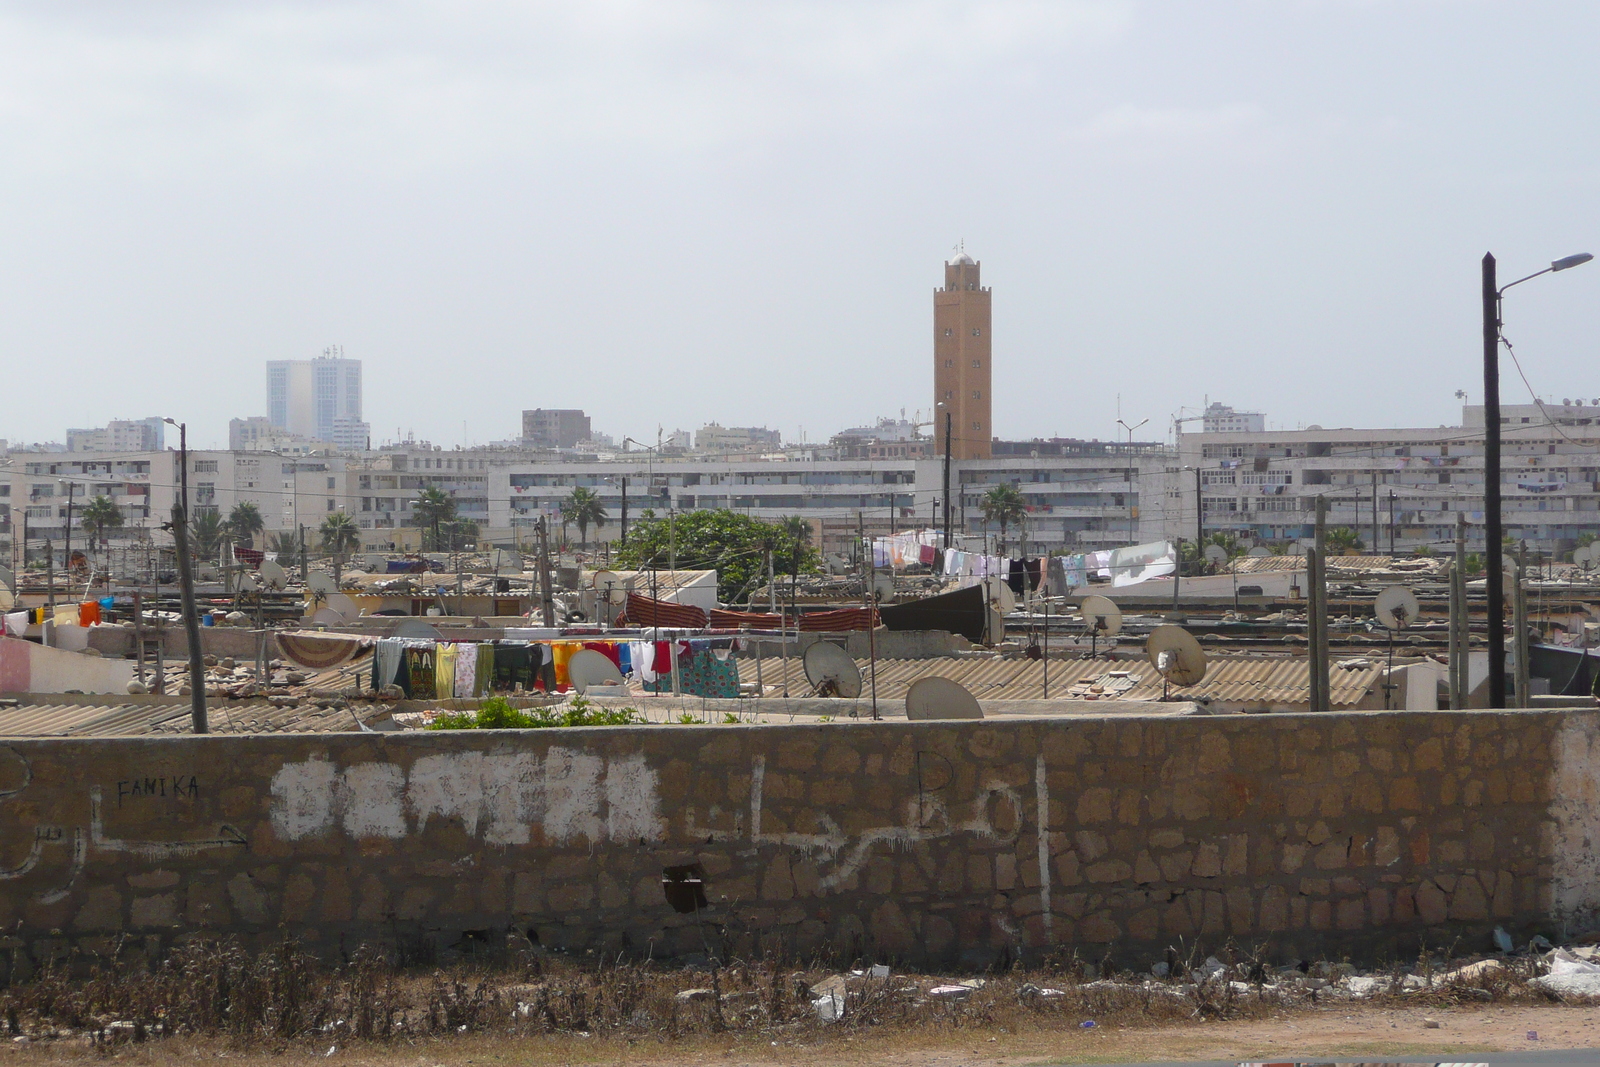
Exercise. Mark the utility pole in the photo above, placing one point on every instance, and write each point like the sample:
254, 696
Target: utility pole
544, 573
1492, 535
1375, 541
1519, 630
1317, 613
1459, 621
191, 621
624, 538
1391, 522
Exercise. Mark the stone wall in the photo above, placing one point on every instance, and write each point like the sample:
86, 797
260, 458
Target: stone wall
939, 842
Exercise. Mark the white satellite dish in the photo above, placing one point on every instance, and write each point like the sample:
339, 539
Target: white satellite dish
8, 579
1259, 551
941, 698
374, 563
1216, 554
328, 617
416, 630
506, 560
248, 583
831, 671
1297, 549
8, 600
275, 577
611, 586
344, 605
1175, 653
1000, 591
1100, 615
883, 588
1396, 607
588, 667
321, 584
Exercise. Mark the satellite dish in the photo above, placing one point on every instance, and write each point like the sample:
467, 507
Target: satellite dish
8, 599
328, 617
1297, 549
416, 630
248, 583
1216, 554
588, 667
941, 698
8, 579
1396, 607
611, 586
1175, 653
275, 577
374, 563
508, 561
321, 584
344, 605
1101, 615
883, 588
1259, 551
1000, 591
831, 671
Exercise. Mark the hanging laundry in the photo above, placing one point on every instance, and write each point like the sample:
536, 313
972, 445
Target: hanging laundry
561, 654
17, 623
483, 677
515, 665
420, 664
710, 674
444, 671
466, 669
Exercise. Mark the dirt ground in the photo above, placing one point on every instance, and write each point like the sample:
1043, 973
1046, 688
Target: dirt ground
1343, 1031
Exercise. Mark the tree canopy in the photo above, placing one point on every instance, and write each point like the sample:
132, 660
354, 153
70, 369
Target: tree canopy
244, 521
583, 508
732, 544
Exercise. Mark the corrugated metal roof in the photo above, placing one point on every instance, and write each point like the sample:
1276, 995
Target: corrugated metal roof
128, 720
1399, 566
1234, 679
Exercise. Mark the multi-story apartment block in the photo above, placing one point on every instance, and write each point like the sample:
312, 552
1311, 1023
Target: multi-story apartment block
1402, 486
119, 435
715, 438
554, 428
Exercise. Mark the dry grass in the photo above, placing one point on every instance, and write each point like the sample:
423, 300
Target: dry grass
284, 999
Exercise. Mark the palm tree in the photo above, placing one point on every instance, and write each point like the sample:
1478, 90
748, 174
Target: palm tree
244, 522
286, 543
582, 508
340, 537
206, 531
433, 506
1003, 504
100, 514
1343, 541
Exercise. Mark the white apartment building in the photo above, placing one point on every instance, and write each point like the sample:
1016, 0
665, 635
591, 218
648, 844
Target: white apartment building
1400, 485
119, 435
319, 399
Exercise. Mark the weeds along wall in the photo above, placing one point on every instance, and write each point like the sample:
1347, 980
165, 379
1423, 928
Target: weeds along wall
960, 843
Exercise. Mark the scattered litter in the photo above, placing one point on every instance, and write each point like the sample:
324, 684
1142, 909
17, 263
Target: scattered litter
1212, 966
1564, 962
1364, 986
331, 1050
951, 992
880, 970
1087, 1024
1502, 940
1028, 989
1474, 971
1569, 985
1533, 1035
1430, 1024
1539, 943
687, 995
830, 1008
1161, 970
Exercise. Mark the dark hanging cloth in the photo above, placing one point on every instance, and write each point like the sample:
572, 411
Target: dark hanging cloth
515, 665
420, 662
1035, 571
1016, 576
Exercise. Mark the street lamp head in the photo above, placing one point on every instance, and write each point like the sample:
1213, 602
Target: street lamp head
1571, 261
170, 422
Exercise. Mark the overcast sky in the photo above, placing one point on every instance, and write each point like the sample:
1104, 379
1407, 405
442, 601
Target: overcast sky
672, 212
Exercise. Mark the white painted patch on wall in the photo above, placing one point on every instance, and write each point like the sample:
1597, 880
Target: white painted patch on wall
1575, 815
499, 796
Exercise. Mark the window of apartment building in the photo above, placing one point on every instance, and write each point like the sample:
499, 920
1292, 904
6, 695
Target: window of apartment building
978, 426
948, 331
977, 363
949, 394
979, 333
332, 504
977, 394
205, 493
39, 513
366, 503
331, 483
949, 363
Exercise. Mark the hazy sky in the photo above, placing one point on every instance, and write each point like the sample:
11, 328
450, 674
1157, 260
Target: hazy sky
671, 212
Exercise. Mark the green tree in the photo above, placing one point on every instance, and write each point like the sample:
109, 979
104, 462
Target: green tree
206, 531
431, 510
581, 509
732, 544
1343, 541
798, 529
286, 543
1003, 504
100, 515
244, 522
340, 538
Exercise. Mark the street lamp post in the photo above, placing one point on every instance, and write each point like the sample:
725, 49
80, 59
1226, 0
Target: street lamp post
1132, 536
66, 561
949, 432
1492, 526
